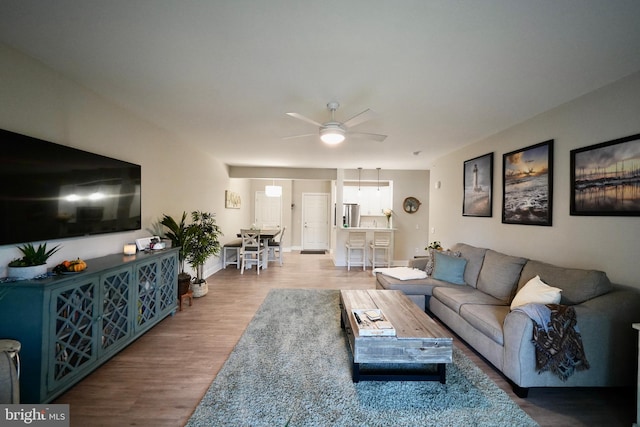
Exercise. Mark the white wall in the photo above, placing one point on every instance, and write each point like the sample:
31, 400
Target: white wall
38, 102
611, 244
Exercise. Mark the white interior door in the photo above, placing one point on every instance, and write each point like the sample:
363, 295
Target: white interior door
315, 221
268, 211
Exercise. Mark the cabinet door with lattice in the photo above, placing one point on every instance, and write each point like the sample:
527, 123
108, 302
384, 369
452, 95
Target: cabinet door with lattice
73, 331
147, 283
168, 283
115, 304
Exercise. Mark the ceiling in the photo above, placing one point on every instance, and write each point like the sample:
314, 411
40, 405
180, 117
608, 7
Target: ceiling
439, 74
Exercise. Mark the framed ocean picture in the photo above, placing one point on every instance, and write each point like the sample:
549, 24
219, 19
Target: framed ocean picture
527, 179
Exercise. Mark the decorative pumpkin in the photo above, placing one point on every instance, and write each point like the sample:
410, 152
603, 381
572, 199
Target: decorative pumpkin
77, 265
70, 266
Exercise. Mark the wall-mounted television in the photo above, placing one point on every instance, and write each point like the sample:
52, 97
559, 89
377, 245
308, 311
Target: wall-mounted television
51, 191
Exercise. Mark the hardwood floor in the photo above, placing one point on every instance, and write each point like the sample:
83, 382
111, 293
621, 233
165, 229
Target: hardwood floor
159, 379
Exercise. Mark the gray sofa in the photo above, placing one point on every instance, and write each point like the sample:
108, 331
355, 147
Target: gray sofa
479, 312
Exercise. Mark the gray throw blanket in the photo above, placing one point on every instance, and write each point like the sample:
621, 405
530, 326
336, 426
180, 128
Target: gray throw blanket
556, 338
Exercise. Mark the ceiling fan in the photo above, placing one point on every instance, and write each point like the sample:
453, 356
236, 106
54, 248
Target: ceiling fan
334, 132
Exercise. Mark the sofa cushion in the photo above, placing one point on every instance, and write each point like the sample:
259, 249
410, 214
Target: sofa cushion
449, 268
487, 319
474, 257
419, 263
577, 285
536, 292
499, 275
456, 296
409, 287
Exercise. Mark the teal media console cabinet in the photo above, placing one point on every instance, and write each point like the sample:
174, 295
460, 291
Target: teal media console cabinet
69, 325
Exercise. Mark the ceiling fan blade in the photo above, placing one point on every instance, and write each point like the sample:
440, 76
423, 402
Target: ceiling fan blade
303, 118
360, 118
364, 135
300, 136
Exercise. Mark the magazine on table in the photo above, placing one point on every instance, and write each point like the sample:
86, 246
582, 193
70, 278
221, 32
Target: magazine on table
372, 322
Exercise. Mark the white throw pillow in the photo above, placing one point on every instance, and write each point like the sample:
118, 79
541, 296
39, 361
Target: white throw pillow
537, 292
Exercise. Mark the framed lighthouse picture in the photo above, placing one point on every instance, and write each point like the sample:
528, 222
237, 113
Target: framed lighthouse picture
478, 186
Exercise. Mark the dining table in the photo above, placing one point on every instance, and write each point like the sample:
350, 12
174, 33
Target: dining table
266, 234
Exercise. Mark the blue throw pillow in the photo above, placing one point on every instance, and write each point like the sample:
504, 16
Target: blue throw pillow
449, 269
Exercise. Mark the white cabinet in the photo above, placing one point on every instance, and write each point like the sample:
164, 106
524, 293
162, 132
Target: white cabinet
372, 200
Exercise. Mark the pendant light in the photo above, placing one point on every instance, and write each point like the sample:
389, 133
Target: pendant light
378, 179
359, 172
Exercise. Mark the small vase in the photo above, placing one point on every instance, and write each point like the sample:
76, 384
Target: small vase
389, 222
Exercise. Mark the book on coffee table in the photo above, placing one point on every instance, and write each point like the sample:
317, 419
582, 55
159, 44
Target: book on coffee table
372, 322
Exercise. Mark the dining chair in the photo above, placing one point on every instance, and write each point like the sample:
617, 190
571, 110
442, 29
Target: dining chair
356, 243
381, 243
276, 248
252, 250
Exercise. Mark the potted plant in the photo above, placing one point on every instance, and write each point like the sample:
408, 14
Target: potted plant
157, 229
388, 213
178, 234
33, 262
201, 243
434, 245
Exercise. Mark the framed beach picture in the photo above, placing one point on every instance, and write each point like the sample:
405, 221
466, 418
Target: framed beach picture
605, 178
478, 186
527, 180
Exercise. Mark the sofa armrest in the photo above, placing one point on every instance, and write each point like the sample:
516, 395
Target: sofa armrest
609, 341
419, 263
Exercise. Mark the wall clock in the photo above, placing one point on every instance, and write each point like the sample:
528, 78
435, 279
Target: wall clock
411, 205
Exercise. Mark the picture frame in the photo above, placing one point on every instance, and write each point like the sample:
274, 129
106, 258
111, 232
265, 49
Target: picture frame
527, 185
478, 186
605, 178
232, 200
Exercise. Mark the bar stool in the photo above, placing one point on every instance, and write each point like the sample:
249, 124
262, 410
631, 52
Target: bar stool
381, 243
356, 243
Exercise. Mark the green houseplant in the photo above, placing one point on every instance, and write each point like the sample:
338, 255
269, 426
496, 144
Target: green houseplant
33, 262
434, 245
202, 242
178, 235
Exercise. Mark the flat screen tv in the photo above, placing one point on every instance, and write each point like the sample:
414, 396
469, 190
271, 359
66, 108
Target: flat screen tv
51, 191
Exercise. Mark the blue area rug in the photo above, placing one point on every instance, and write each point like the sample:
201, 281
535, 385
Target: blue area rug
292, 367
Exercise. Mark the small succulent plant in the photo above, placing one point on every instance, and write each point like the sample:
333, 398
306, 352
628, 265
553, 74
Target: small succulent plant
33, 256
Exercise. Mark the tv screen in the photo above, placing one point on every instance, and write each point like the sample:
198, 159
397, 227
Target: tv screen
51, 191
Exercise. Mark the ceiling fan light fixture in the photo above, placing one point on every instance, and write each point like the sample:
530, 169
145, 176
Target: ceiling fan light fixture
332, 135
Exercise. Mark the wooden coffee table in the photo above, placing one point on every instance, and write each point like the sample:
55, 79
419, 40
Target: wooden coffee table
418, 339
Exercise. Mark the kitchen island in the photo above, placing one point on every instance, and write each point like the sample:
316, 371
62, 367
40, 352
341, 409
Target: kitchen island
341, 234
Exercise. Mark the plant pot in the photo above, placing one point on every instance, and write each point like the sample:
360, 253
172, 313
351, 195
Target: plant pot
184, 282
200, 288
27, 273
